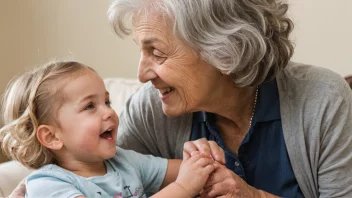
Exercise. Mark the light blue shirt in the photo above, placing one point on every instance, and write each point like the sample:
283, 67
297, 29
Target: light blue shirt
129, 174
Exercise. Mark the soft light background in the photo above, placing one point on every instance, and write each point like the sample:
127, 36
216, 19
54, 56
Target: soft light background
34, 31
323, 33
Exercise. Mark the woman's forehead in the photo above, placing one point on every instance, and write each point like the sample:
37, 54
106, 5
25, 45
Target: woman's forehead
154, 29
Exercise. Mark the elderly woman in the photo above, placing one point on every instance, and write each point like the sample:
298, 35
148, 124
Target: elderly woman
221, 69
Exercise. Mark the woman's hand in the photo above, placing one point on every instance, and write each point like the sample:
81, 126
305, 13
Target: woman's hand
225, 183
205, 147
19, 191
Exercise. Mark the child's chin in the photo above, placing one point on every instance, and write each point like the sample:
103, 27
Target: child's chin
111, 154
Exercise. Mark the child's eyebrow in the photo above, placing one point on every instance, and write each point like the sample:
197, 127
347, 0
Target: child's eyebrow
92, 96
89, 97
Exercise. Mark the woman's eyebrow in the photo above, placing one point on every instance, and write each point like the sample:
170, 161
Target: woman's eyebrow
149, 41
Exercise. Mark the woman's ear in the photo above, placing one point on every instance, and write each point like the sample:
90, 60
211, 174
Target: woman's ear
48, 137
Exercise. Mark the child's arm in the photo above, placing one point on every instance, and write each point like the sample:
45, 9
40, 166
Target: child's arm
192, 175
173, 167
173, 190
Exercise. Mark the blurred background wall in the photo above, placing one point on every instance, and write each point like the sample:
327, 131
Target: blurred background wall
323, 33
35, 31
32, 32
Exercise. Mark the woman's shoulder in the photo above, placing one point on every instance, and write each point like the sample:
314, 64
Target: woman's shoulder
306, 72
145, 128
311, 91
143, 107
308, 78
147, 89
145, 97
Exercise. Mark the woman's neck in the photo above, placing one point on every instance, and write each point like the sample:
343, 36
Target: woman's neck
234, 113
236, 106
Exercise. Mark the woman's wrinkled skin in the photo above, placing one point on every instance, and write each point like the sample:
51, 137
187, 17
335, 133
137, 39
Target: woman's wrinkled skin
170, 63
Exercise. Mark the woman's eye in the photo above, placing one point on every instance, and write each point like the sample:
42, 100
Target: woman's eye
88, 107
159, 56
158, 53
108, 103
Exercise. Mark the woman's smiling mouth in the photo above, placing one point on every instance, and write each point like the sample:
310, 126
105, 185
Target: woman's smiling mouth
166, 91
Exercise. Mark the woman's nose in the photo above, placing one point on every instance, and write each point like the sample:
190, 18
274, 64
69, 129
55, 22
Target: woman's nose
146, 70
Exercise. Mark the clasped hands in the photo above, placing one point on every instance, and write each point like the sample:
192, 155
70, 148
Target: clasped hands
214, 179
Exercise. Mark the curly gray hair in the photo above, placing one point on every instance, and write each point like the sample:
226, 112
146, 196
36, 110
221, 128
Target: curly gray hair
247, 39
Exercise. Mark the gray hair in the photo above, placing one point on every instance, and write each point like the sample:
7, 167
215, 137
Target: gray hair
247, 39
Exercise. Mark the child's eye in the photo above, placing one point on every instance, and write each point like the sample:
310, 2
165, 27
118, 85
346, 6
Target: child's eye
88, 107
108, 103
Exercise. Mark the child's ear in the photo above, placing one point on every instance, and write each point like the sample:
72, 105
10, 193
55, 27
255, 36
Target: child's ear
48, 137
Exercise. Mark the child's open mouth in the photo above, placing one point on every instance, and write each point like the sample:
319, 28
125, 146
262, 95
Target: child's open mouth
107, 134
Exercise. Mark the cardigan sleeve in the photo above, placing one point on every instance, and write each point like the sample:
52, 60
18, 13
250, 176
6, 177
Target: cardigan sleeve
316, 112
335, 159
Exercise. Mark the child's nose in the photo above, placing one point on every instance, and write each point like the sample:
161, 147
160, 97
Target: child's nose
108, 114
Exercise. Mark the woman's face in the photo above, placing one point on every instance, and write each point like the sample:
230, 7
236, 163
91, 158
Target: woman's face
184, 81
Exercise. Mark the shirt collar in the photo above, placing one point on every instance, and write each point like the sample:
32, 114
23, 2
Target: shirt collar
268, 103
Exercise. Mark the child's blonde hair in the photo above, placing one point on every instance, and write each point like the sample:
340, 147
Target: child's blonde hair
30, 101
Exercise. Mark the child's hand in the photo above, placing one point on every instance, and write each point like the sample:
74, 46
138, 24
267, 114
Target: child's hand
194, 172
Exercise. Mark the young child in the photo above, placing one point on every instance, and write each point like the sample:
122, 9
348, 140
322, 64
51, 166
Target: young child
58, 119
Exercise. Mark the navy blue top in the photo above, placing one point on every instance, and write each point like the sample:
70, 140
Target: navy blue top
262, 159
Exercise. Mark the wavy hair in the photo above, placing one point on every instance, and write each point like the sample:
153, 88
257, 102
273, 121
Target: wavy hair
247, 39
28, 102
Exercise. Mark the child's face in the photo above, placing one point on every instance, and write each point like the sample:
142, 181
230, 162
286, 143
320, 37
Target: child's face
87, 123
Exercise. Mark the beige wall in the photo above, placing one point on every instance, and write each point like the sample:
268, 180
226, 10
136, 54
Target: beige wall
34, 31
323, 33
